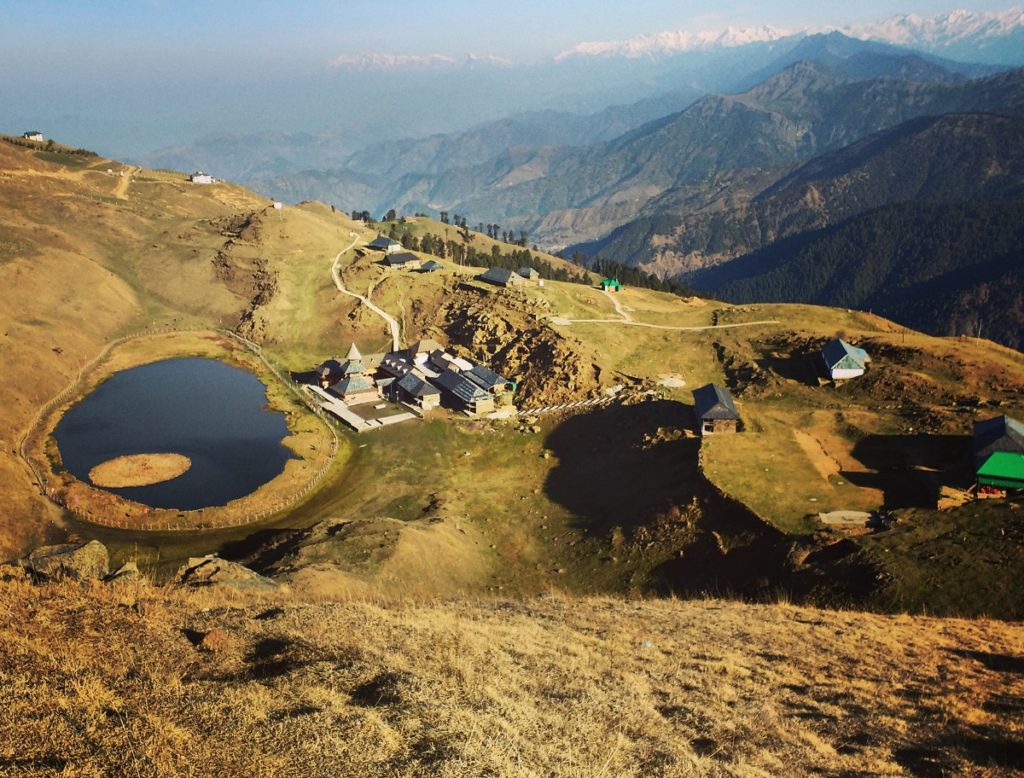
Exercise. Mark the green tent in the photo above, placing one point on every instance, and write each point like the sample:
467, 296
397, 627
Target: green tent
1003, 470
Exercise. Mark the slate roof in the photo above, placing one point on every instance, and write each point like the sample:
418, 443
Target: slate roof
999, 434
416, 386
485, 378
352, 367
528, 272
396, 363
425, 346
400, 258
714, 402
351, 385
500, 276
430, 266
381, 243
331, 366
838, 354
461, 387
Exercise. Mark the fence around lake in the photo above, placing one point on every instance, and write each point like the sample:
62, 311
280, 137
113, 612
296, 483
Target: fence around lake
189, 521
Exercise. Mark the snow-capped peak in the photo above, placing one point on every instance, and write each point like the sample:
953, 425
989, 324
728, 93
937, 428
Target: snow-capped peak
674, 41
942, 30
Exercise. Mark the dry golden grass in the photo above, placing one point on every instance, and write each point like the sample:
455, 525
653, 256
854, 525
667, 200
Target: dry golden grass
118, 680
139, 470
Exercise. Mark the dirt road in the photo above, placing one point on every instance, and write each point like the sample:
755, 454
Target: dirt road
396, 330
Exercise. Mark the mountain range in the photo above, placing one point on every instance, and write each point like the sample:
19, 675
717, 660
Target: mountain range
981, 36
817, 131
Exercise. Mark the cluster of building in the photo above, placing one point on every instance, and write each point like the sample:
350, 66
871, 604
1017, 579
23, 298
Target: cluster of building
423, 376
199, 177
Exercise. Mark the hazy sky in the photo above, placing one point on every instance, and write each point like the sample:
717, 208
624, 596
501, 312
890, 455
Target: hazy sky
124, 76
105, 38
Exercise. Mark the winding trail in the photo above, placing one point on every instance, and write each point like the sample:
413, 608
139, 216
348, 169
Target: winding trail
396, 330
629, 322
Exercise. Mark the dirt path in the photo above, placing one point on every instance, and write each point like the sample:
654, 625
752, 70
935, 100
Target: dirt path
823, 463
629, 322
618, 306
396, 330
121, 190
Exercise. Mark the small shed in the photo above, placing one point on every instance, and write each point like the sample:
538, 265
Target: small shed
1002, 470
611, 285
199, 177
998, 445
387, 245
715, 410
400, 259
843, 361
33, 135
502, 277
431, 266
529, 273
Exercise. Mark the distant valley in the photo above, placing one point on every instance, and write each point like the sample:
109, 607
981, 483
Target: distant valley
755, 160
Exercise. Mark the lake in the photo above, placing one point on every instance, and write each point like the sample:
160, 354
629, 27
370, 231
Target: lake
211, 412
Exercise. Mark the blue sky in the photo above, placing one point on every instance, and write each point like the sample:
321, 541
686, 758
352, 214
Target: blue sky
106, 38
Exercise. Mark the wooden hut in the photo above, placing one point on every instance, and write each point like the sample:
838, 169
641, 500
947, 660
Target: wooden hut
715, 410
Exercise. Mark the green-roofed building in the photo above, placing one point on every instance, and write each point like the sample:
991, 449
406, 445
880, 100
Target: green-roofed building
611, 285
999, 453
1002, 470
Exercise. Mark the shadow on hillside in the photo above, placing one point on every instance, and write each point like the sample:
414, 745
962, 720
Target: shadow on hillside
733, 553
804, 368
910, 470
620, 466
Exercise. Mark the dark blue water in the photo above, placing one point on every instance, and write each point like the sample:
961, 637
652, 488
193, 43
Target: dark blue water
213, 413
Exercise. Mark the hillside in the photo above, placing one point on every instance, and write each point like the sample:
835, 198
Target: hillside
126, 678
795, 114
945, 269
499, 506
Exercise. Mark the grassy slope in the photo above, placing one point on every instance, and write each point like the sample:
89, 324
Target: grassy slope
81, 266
532, 519
106, 680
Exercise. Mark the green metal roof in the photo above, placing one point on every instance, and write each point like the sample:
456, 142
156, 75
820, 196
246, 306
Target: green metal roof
1004, 469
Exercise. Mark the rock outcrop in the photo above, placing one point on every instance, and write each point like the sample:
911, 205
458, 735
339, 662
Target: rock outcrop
211, 571
78, 561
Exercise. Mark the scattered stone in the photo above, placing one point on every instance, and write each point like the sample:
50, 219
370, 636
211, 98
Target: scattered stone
78, 561
212, 571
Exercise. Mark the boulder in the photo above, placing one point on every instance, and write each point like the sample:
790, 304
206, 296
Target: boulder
126, 573
211, 571
77, 561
